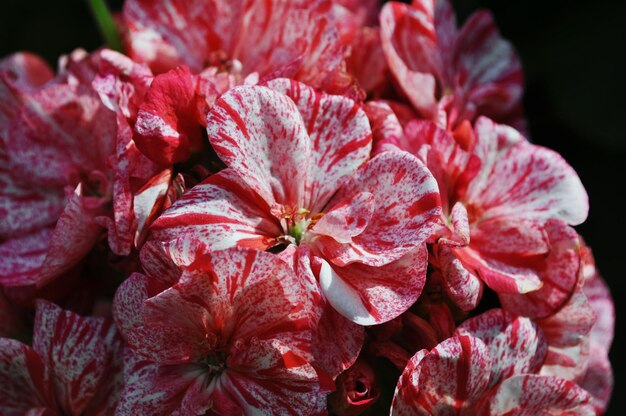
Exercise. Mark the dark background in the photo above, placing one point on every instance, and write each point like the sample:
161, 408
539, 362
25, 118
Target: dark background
573, 52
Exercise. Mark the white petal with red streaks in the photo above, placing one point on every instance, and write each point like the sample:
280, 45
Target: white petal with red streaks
52, 126
516, 345
151, 389
24, 382
340, 138
406, 213
331, 354
148, 202
447, 379
21, 258
75, 352
222, 212
369, 295
175, 32
462, 285
261, 136
532, 394
410, 45
519, 179
25, 209
275, 381
559, 272
279, 33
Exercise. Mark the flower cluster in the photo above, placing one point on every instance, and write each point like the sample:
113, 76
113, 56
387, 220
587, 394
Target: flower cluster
291, 207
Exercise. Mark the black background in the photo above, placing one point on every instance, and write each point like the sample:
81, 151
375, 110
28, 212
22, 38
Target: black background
573, 52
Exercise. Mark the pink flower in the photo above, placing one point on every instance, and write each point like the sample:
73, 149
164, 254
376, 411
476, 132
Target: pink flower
234, 336
506, 207
451, 75
267, 37
357, 390
487, 368
298, 173
73, 368
53, 187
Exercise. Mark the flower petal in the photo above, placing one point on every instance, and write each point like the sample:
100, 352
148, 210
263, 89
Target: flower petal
559, 273
222, 212
407, 210
518, 179
167, 34
77, 351
23, 378
530, 393
369, 295
340, 139
446, 380
169, 123
515, 344
260, 135
410, 45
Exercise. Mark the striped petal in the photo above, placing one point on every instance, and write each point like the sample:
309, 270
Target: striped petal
409, 42
260, 135
494, 79
167, 34
77, 352
222, 212
518, 179
445, 381
370, 295
340, 139
406, 212
24, 381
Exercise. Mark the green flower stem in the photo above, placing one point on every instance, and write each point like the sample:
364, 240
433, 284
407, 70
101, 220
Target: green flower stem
106, 24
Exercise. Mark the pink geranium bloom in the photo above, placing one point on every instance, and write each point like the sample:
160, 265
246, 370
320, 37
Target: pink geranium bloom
53, 187
297, 38
580, 336
73, 368
506, 207
488, 368
451, 75
298, 173
233, 336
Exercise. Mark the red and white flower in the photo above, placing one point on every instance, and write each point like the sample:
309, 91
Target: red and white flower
451, 75
298, 173
73, 368
488, 368
233, 336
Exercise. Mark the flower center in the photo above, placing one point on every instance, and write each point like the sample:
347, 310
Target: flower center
215, 362
296, 222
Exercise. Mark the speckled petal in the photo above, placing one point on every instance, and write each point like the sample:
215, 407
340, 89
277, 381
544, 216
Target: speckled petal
222, 212
516, 345
340, 138
260, 135
77, 352
532, 394
24, 381
518, 179
407, 210
369, 295
444, 381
